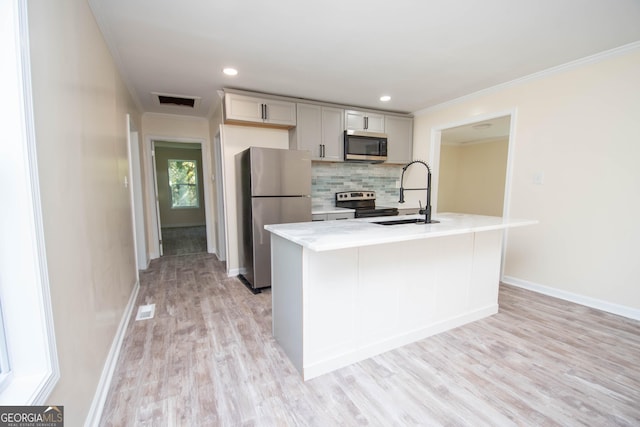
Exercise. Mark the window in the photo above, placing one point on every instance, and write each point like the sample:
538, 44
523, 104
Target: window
27, 319
5, 367
183, 184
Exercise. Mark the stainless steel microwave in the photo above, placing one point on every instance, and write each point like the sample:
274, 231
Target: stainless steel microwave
366, 147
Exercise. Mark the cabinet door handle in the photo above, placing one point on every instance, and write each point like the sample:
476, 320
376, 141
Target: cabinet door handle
366, 122
322, 150
264, 111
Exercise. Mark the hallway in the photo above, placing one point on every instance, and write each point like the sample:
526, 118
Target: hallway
184, 240
207, 358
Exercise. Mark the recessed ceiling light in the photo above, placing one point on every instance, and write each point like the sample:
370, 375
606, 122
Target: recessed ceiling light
385, 98
230, 71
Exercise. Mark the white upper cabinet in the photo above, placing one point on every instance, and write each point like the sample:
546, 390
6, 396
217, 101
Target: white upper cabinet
333, 134
399, 132
262, 111
364, 121
319, 130
307, 134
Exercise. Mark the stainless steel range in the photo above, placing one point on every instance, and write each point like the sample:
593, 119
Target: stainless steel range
364, 203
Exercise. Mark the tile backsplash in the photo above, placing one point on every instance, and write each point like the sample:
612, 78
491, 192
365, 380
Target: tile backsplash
330, 178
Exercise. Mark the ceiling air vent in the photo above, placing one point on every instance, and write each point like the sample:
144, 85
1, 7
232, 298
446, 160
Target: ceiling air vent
171, 100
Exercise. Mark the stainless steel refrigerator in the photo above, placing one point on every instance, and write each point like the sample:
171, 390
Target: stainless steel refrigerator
276, 189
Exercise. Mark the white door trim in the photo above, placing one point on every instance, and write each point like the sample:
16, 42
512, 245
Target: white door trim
135, 189
149, 165
156, 205
221, 231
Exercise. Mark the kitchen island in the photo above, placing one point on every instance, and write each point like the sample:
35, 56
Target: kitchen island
344, 291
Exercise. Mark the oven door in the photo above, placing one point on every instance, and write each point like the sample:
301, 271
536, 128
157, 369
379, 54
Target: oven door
366, 147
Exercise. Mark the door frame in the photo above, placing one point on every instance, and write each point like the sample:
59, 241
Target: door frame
156, 204
137, 196
434, 155
149, 163
221, 213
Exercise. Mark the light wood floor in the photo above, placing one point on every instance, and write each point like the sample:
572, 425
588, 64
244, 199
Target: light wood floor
208, 359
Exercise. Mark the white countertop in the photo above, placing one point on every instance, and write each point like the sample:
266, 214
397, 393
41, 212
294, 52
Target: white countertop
350, 233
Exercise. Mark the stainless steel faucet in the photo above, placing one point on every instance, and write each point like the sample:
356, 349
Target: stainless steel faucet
427, 208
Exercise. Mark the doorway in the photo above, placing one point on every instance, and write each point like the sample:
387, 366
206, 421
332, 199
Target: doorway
181, 204
473, 167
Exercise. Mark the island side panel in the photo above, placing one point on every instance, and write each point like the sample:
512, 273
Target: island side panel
454, 264
330, 309
286, 297
487, 260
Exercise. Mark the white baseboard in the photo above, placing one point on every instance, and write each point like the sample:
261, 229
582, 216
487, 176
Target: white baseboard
99, 399
609, 307
235, 271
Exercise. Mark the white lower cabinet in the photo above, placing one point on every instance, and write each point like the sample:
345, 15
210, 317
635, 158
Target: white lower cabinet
346, 215
408, 211
332, 216
319, 217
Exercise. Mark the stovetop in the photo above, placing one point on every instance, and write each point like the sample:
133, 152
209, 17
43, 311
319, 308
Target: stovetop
364, 203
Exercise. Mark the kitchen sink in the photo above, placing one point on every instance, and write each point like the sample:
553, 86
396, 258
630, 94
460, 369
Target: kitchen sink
403, 221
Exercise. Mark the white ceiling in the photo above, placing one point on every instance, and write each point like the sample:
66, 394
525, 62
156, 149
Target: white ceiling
420, 52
